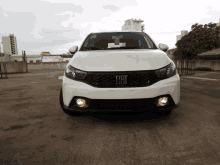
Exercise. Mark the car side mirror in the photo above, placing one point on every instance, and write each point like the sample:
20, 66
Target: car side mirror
163, 47
73, 49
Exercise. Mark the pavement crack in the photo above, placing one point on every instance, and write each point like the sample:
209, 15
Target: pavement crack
14, 127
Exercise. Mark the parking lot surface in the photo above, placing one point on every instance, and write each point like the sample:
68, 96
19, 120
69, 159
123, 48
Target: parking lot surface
34, 129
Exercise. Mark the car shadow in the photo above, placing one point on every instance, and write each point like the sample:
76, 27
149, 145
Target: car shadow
124, 118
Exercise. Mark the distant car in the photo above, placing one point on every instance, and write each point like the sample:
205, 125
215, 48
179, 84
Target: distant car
118, 72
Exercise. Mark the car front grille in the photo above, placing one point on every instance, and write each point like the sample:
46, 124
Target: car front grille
108, 79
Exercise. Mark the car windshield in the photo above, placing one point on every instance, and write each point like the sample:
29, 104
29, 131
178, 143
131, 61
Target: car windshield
117, 40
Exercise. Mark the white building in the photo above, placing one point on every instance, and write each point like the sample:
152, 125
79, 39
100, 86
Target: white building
131, 24
218, 24
9, 44
178, 37
183, 33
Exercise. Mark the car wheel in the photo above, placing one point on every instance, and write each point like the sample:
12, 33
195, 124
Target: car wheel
62, 105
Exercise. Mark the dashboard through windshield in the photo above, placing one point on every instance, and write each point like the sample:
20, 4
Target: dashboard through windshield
117, 40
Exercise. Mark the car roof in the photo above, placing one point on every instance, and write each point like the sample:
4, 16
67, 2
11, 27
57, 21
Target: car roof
117, 32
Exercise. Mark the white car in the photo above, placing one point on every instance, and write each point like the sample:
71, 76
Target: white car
117, 72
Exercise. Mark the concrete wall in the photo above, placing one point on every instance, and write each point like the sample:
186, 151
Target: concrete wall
14, 67
34, 59
66, 59
5, 58
20, 66
49, 65
52, 59
213, 64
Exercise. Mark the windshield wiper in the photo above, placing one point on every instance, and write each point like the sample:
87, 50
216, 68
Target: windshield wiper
91, 48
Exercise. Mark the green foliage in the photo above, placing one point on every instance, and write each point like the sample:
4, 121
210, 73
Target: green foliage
202, 38
142, 28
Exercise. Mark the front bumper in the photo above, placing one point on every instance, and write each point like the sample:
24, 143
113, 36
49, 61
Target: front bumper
119, 105
113, 99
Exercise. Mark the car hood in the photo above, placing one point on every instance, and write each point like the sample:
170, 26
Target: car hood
119, 60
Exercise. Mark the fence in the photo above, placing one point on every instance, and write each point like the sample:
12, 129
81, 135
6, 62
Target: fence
185, 67
212, 64
182, 68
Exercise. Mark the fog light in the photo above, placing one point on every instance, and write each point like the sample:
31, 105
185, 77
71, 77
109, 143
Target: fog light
81, 102
162, 101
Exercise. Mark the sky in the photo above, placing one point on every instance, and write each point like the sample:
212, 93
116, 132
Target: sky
57, 25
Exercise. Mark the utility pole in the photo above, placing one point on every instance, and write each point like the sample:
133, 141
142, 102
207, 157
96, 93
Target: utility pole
25, 58
23, 55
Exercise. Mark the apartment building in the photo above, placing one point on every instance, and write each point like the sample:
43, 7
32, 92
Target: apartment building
131, 24
218, 24
183, 33
9, 44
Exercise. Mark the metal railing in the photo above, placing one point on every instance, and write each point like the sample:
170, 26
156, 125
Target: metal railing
185, 67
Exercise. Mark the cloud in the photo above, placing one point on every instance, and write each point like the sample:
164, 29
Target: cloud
38, 30
66, 13
5, 14
55, 46
46, 31
20, 27
111, 7
52, 25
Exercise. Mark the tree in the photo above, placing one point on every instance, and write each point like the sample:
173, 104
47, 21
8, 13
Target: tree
200, 39
142, 28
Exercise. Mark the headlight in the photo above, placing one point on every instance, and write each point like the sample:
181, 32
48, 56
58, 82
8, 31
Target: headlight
74, 73
166, 72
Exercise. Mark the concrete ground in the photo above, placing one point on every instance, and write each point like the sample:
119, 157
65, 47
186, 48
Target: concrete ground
207, 74
34, 130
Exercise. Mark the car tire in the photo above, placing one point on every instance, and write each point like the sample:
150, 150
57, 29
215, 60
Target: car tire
68, 112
